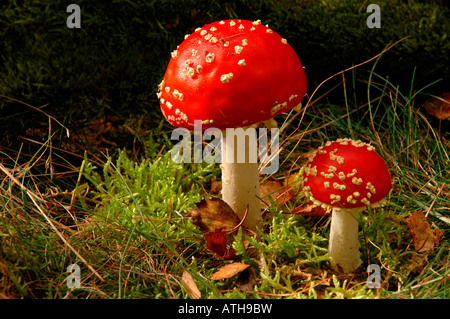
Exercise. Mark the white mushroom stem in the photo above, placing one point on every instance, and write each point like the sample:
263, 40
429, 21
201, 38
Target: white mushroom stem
240, 175
344, 243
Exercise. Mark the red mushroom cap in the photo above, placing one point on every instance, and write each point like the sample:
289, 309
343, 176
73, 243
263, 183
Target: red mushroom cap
346, 174
230, 74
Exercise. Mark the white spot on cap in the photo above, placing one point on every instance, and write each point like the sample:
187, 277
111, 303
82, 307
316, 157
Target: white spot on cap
178, 95
351, 200
169, 105
339, 186
327, 176
257, 22
238, 49
203, 32
275, 108
232, 23
190, 72
199, 68
353, 173
210, 57
208, 36
284, 41
241, 27
241, 62
174, 53
160, 85
225, 78
357, 181
222, 22
371, 188
335, 198
244, 42
226, 44
213, 29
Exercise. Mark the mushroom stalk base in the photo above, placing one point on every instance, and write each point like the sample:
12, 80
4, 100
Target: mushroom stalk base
344, 243
240, 181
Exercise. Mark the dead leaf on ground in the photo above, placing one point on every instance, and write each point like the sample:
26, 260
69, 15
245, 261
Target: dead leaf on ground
309, 209
216, 187
278, 191
190, 285
439, 107
274, 189
229, 271
217, 220
294, 183
212, 214
217, 243
424, 238
246, 280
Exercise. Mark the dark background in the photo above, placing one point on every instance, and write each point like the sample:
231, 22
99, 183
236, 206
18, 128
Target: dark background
111, 65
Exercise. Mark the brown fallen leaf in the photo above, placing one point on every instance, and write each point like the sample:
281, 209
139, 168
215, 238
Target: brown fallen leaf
216, 187
190, 285
246, 280
217, 221
294, 183
424, 238
309, 209
279, 192
212, 214
275, 190
229, 271
439, 107
217, 243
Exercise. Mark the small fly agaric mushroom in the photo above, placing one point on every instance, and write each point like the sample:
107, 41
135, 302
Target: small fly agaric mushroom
346, 176
231, 74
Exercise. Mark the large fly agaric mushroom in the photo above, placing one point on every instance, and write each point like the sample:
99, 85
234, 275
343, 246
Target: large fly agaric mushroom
231, 74
346, 176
